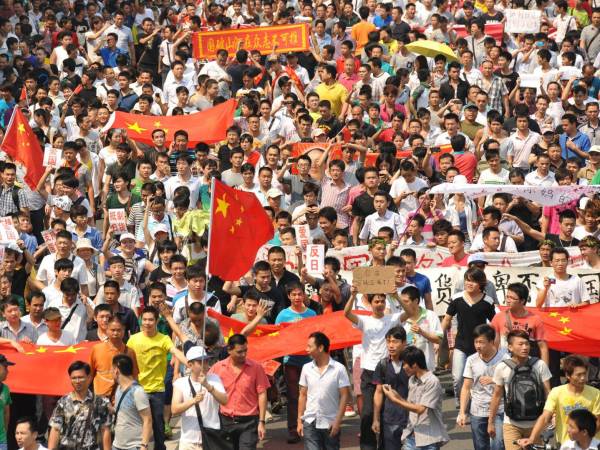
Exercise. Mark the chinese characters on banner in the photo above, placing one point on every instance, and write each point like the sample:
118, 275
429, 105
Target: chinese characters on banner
8, 232
118, 220
287, 38
522, 21
315, 258
302, 235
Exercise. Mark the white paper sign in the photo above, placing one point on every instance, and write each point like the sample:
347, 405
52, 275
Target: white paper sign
568, 72
52, 157
303, 235
315, 258
50, 240
529, 80
117, 220
522, 20
8, 232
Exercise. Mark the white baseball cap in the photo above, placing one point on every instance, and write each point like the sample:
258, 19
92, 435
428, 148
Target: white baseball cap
196, 353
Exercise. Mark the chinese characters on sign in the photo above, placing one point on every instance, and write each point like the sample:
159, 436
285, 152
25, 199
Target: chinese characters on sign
315, 257
302, 235
375, 280
118, 220
287, 38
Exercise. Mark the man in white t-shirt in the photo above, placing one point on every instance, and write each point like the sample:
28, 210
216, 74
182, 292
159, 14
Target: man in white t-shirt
405, 186
561, 289
198, 392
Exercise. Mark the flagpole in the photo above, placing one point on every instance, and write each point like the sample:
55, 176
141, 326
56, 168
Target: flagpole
206, 272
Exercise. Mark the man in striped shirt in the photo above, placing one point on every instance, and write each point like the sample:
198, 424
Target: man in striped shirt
335, 191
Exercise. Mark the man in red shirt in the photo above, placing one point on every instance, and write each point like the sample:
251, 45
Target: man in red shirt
456, 246
464, 160
246, 384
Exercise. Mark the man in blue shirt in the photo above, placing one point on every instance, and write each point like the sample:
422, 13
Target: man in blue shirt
292, 365
419, 280
111, 51
572, 141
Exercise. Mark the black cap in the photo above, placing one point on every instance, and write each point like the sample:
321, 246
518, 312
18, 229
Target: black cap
5, 362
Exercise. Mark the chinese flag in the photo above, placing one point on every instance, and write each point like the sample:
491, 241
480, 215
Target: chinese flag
24, 148
205, 126
571, 330
239, 226
43, 369
23, 95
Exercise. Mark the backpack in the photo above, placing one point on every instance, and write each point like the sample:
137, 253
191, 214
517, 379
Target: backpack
525, 397
15, 196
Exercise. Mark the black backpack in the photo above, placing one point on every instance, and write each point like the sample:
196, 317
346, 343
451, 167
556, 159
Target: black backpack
525, 397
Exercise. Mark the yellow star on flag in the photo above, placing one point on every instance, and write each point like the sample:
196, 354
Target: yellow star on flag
135, 127
41, 349
222, 206
276, 333
565, 331
69, 349
226, 338
232, 229
553, 314
156, 124
564, 320
21, 128
238, 222
258, 332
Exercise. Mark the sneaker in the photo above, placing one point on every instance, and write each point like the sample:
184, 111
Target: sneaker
349, 411
168, 431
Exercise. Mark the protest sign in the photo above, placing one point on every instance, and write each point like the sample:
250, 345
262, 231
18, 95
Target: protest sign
522, 20
50, 240
52, 157
375, 279
303, 236
291, 260
315, 258
286, 38
568, 72
8, 232
117, 220
529, 80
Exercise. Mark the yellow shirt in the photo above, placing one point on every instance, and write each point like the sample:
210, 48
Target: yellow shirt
151, 355
335, 93
561, 402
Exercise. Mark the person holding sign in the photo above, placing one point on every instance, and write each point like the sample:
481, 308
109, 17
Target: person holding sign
374, 349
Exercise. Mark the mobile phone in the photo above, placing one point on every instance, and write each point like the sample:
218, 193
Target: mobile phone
552, 280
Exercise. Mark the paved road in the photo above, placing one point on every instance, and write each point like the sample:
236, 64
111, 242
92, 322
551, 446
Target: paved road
277, 431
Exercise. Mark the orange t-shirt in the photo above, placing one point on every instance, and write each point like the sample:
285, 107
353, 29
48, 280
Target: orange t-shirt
360, 34
101, 362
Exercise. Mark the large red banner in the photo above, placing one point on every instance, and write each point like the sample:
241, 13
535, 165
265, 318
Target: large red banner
287, 38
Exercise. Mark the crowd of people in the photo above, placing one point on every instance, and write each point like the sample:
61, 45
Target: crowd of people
387, 125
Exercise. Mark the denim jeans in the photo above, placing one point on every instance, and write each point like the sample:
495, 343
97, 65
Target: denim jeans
481, 438
319, 439
459, 360
410, 444
157, 404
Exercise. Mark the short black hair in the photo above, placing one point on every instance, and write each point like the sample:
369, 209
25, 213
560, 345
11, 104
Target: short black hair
412, 355
321, 339
79, 365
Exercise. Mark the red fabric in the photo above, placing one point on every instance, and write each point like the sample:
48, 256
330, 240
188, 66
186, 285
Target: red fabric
466, 163
450, 261
239, 227
205, 126
23, 95
21, 144
78, 89
571, 330
43, 369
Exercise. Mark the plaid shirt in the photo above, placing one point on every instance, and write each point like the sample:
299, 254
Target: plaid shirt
7, 204
336, 197
495, 92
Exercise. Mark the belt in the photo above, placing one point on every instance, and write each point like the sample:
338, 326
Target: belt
241, 419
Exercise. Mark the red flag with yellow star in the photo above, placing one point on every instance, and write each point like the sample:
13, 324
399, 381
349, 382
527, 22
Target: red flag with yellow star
22, 145
42, 369
207, 126
571, 330
239, 226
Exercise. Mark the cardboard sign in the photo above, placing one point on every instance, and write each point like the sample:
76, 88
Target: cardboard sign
315, 258
117, 220
302, 236
375, 280
52, 157
522, 20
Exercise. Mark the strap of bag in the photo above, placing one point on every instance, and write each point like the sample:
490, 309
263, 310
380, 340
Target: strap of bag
503, 242
68, 319
196, 405
589, 44
120, 402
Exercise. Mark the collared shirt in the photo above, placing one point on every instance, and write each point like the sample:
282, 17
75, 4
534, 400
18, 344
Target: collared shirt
428, 428
26, 330
581, 140
101, 358
389, 372
592, 132
336, 197
90, 233
496, 90
323, 392
7, 204
374, 222
70, 418
40, 328
242, 388
521, 148
535, 179
77, 325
